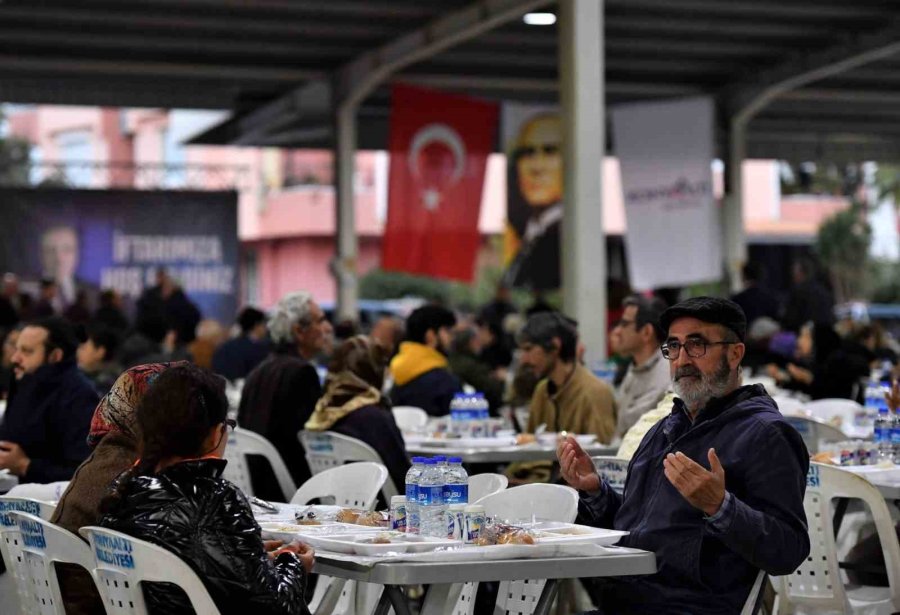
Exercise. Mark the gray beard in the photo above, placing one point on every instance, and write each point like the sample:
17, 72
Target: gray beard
696, 394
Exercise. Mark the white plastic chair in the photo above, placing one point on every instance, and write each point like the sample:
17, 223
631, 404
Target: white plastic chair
243, 442
121, 563
816, 433
410, 418
326, 449
355, 485
755, 598
539, 501
613, 469
11, 547
817, 586
828, 409
789, 406
481, 485
44, 544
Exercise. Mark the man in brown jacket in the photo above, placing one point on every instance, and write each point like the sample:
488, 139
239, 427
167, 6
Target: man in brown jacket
569, 397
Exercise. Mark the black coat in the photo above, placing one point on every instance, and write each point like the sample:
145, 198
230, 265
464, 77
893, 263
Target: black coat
432, 392
190, 510
375, 425
278, 398
49, 415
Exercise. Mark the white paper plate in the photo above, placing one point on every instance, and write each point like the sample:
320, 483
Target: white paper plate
361, 544
469, 442
287, 531
552, 532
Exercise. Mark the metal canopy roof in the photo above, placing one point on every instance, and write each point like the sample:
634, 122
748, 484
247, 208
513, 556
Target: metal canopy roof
831, 64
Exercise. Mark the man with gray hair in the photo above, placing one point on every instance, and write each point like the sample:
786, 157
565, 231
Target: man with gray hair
282, 391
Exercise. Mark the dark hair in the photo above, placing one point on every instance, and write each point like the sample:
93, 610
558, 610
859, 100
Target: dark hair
543, 327
427, 318
753, 272
462, 338
362, 356
60, 334
649, 310
174, 418
249, 318
108, 298
104, 337
46, 283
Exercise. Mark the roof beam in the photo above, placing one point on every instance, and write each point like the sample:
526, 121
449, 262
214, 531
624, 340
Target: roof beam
746, 100
758, 8
358, 78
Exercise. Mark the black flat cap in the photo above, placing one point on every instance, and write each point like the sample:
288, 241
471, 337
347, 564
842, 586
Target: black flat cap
708, 309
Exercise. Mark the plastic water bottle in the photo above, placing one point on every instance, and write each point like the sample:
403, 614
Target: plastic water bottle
456, 484
873, 400
412, 495
895, 436
481, 415
432, 510
458, 413
883, 425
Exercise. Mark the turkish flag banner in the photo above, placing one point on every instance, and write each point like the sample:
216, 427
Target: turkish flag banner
439, 144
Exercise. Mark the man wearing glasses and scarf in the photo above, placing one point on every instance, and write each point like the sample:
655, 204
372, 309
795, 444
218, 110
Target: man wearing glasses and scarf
715, 489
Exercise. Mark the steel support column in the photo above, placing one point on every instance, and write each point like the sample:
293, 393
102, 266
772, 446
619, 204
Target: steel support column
344, 263
734, 246
584, 144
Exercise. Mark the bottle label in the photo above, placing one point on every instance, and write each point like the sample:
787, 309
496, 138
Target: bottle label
456, 494
881, 434
895, 436
430, 494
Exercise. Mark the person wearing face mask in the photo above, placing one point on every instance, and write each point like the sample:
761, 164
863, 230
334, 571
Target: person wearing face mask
175, 497
281, 392
420, 370
715, 489
43, 433
353, 404
568, 397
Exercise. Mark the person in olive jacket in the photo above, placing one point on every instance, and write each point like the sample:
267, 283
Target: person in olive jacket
175, 498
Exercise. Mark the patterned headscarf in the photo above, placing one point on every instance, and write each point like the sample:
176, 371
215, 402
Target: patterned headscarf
115, 412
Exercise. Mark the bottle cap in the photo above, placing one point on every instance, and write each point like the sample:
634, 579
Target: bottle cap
439, 458
429, 462
455, 459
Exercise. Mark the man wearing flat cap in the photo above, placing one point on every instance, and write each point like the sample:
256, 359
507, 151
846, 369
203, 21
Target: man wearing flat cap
715, 489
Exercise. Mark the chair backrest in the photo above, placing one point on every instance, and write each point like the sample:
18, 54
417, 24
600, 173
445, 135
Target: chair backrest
613, 469
355, 485
243, 442
536, 501
755, 598
481, 485
410, 418
816, 433
828, 409
121, 563
817, 583
44, 544
11, 546
327, 449
789, 405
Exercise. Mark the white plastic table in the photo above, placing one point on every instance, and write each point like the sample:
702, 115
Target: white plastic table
442, 575
506, 454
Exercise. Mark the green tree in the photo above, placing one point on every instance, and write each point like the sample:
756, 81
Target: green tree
842, 245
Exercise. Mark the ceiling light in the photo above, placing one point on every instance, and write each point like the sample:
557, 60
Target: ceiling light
539, 19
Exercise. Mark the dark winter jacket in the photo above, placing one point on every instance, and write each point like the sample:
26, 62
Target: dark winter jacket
432, 392
205, 520
375, 426
707, 566
49, 415
278, 398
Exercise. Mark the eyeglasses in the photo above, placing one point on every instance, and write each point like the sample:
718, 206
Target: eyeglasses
695, 348
230, 423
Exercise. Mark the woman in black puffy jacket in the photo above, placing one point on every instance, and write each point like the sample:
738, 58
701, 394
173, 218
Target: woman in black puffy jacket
175, 497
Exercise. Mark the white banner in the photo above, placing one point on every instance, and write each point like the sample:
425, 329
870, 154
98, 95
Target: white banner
665, 151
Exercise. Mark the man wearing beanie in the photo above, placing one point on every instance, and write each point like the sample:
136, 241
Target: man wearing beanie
715, 489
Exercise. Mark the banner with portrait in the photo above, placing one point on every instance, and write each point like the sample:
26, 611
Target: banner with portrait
532, 141
665, 152
92, 240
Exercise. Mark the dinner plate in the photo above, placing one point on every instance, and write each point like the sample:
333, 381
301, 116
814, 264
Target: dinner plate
362, 544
